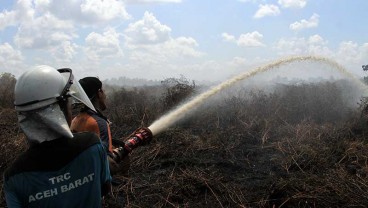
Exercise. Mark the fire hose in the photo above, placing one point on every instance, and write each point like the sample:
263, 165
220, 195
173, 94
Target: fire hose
139, 137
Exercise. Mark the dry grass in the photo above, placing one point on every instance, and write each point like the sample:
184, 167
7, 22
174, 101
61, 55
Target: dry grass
257, 151
12, 143
309, 166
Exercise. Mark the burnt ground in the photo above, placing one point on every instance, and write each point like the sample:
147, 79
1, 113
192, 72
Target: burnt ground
303, 165
284, 150
238, 169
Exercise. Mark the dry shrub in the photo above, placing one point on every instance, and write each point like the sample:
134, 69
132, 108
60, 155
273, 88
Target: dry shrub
130, 108
167, 173
321, 102
7, 84
299, 146
12, 143
325, 166
177, 90
309, 147
255, 150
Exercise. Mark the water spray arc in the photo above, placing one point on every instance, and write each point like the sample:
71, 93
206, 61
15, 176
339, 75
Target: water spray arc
169, 119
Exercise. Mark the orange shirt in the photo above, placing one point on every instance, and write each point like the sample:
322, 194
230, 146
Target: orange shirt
91, 121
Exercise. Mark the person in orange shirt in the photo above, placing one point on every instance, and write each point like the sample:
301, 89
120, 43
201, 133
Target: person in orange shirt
94, 121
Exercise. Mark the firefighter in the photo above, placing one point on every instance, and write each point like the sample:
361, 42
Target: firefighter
60, 168
95, 121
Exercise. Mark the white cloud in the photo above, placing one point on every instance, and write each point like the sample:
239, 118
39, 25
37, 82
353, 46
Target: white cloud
315, 45
150, 48
253, 39
64, 52
41, 5
348, 47
7, 18
292, 3
173, 51
317, 39
87, 12
364, 51
39, 27
170, 59
239, 61
228, 37
253, 1
181, 47
25, 10
43, 31
350, 51
10, 59
151, 1
303, 24
267, 10
106, 45
349, 54
187, 41
152, 51
36, 29
352, 55
103, 10
9, 54
147, 31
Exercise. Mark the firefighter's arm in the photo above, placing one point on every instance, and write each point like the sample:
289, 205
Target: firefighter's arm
140, 136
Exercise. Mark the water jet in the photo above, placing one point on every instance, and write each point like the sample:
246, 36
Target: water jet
181, 111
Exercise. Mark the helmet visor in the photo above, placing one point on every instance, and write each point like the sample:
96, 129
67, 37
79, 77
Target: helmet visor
74, 89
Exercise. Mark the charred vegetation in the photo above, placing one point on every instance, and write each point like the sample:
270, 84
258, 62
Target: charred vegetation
299, 145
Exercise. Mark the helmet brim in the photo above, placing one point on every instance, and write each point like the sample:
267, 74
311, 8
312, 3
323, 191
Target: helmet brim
75, 90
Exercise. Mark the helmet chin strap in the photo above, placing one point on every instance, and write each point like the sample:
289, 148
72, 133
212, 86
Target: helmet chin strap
44, 125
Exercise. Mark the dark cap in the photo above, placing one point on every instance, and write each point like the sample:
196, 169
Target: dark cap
90, 85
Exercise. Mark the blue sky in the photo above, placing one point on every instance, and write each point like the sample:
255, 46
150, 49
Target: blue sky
158, 39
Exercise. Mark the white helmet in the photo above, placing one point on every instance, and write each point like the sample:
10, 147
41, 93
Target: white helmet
44, 85
37, 93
